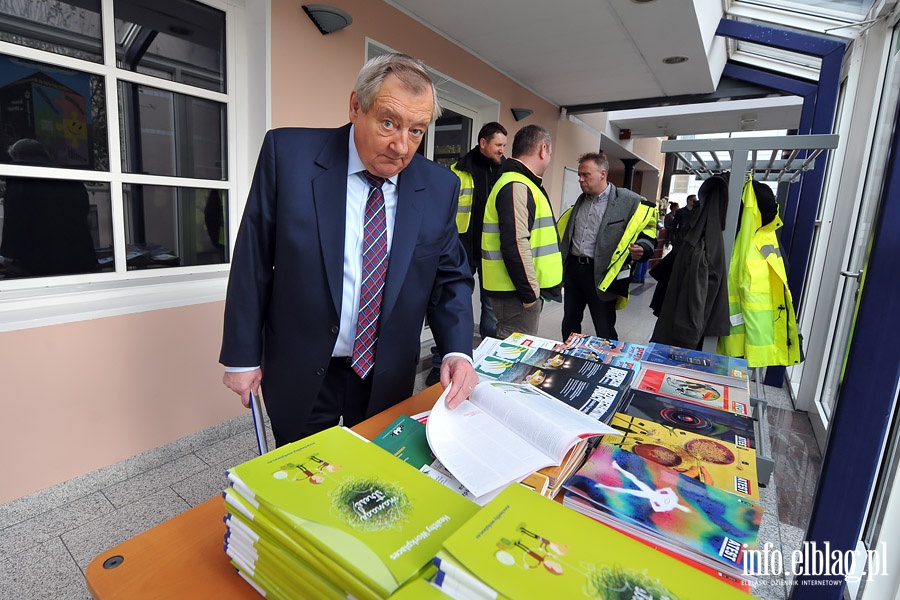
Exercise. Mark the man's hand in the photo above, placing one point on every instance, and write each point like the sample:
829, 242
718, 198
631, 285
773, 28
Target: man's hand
460, 372
243, 383
637, 252
527, 305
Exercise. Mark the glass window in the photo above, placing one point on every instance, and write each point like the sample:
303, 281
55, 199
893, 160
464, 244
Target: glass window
174, 226
452, 137
163, 207
166, 133
178, 40
61, 108
53, 226
68, 28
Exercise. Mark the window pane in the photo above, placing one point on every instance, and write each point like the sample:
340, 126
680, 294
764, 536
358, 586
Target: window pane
165, 133
53, 227
62, 109
178, 40
68, 28
452, 137
175, 226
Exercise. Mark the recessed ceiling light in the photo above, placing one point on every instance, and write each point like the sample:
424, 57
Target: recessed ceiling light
748, 120
674, 60
643, 1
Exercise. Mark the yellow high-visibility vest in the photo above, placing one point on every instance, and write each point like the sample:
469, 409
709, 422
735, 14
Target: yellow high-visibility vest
466, 194
544, 241
763, 323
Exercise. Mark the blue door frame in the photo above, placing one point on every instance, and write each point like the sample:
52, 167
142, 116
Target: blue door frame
866, 399
817, 116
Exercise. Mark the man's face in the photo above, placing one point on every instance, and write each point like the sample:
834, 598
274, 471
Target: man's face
591, 178
388, 135
493, 149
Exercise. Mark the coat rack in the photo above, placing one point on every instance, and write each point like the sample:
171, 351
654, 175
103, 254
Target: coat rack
774, 158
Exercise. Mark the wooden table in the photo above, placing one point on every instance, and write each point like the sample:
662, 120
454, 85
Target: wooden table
184, 556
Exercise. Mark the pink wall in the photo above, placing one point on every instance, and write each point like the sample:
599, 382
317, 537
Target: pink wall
312, 74
85, 395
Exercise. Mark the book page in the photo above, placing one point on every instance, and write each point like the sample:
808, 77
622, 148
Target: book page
496, 438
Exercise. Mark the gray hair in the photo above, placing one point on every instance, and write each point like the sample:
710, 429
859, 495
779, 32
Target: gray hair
410, 71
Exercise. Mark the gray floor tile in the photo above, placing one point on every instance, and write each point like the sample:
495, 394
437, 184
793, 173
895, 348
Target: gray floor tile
209, 482
778, 397
40, 502
89, 540
24, 535
224, 450
44, 571
132, 490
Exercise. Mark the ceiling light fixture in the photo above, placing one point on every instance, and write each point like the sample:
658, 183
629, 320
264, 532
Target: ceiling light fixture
327, 19
674, 60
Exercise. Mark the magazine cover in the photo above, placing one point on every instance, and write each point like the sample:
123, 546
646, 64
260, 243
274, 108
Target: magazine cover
713, 462
523, 545
714, 523
724, 369
352, 501
595, 389
690, 416
691, 389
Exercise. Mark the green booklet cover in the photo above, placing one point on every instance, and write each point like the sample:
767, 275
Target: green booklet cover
348, 499
406, 439
526, 546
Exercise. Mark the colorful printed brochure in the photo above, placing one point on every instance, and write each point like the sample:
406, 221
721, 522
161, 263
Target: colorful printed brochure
695, 390
713, 462
703, 522
689, 416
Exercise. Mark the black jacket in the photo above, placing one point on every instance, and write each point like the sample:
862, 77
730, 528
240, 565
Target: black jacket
696, 299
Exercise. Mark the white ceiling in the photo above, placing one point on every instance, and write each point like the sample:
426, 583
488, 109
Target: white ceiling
600, 51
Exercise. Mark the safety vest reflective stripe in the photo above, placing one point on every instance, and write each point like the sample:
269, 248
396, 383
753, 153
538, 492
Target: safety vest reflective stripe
466, 194
543, 240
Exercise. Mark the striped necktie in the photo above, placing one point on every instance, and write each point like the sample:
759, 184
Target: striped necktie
374, 267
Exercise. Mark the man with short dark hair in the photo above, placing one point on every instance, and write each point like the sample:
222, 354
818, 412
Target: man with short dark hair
606, 231
362, 231
520, 257
477, 172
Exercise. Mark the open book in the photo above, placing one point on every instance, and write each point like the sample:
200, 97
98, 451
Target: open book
505, 432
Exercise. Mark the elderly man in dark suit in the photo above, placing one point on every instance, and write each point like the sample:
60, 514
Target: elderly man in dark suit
605, 232
347, 242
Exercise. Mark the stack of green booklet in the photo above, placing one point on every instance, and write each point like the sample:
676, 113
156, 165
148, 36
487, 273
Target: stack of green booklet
332, 516
523, 545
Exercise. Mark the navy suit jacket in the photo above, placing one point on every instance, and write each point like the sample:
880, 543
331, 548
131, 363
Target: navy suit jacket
283, 305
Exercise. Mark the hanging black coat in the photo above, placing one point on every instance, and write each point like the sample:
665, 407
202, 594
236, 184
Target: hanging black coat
696, 299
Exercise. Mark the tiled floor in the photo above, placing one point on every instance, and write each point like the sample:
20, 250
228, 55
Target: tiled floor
48, 538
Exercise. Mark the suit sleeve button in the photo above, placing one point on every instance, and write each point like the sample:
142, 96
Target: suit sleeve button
320, 371
335, 329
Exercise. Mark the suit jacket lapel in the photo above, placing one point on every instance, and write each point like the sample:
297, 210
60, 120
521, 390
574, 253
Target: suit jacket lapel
330, 201
411, 195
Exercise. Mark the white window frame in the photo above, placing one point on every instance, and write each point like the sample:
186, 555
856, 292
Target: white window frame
39, 302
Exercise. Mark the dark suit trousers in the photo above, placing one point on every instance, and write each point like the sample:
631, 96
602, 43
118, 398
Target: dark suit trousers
343, 394
579, 293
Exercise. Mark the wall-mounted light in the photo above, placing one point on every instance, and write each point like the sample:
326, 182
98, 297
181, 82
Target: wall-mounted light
674, 60
327, 19
521, 113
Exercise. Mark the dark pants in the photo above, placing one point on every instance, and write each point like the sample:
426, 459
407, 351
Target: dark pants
580, 293
343, 394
